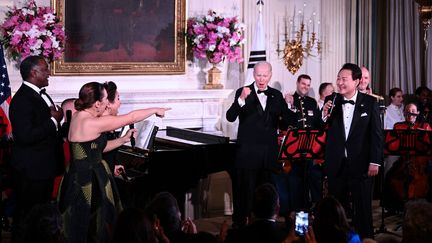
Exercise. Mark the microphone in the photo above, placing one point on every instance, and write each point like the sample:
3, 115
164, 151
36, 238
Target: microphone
132, 139
68, 116
333, 103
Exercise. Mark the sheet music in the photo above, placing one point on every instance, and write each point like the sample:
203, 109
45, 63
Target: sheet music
144, 131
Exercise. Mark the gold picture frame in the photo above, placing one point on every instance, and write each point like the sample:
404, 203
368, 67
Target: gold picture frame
122, 37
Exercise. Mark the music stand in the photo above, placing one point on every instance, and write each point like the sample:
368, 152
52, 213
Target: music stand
301, 145
405, 142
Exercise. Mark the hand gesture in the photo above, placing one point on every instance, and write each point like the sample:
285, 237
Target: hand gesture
130, 133
160, 112
189, 227
245, 93
326, 108
57, 113
118, 169
289, 99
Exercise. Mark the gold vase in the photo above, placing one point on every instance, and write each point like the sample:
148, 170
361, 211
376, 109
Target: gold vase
213, 79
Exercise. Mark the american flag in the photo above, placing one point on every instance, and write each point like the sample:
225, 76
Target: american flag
5, 94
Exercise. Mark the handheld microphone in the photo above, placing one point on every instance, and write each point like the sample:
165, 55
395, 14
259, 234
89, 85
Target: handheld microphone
68, 116
333, 102
132, 139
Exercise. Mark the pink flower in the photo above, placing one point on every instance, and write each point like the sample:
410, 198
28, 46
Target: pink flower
214, 37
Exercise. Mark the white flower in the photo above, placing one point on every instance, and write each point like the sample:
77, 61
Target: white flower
211, 47
36, 52
199, 19
55, 43
49, 18
37, 45
222, 30
33, 32
209, 18
26, 11
233, 42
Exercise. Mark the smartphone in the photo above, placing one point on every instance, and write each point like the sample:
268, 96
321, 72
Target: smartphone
301, 222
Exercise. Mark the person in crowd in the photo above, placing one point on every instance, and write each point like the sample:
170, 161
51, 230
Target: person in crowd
305, 177
133, 226
324, 90
330, 223
354, 147
68, 108
165, 213
363, 86
263, 226
88, 198
424, 104
417, 226
45, 225
261, 110
37, 154
111, 156
411, 119
395, 111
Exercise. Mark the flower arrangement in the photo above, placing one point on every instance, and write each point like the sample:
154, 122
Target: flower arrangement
215, 37
32, 30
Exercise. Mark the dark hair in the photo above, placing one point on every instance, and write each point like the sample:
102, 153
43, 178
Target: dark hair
67, 101
111, 89
393, 91
28, 64
164, 206
417, 226
133, 226
356, 72
304, 76
322, 87
88, 95
44, 225
420, 89
266, 201
330, 224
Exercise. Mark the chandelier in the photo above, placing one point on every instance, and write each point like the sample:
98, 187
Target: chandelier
301, 39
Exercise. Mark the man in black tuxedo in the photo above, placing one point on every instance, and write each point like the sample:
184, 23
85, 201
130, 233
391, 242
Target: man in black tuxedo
37, 149
354, 149
261, 111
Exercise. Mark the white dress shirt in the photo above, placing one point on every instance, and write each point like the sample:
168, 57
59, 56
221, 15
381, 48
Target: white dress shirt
393, 115
44, 97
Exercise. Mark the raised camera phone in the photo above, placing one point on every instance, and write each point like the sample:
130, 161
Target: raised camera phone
301, 222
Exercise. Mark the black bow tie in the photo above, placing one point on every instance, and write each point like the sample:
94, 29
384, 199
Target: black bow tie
263, 91
348, 101
43, 91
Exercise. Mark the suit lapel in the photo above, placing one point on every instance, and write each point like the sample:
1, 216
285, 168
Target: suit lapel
356, 115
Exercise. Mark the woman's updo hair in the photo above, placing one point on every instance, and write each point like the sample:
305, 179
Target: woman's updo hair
88, 95
111, 89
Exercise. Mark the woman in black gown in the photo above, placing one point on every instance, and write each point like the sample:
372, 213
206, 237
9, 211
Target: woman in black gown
88, 201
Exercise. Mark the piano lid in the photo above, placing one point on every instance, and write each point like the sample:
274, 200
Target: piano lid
190, 137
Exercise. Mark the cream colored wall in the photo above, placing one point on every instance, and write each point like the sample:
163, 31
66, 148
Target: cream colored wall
322, 68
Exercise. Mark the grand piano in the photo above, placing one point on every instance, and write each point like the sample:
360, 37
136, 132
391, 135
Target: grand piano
177, 161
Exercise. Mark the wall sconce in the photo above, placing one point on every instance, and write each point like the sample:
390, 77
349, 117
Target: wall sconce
301, 39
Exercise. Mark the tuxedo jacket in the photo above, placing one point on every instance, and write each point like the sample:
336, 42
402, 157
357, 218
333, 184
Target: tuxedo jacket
37, 147
257, 131
364, 144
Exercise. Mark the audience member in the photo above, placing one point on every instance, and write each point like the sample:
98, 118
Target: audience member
325, 89
45, 225
68, 110
164, 209
330, 223
88, 198
133, 226
395, 111
263, 227
363, 86
37, 154
417, 223
411, 119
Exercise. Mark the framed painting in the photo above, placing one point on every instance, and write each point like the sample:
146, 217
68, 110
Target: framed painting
121, 37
